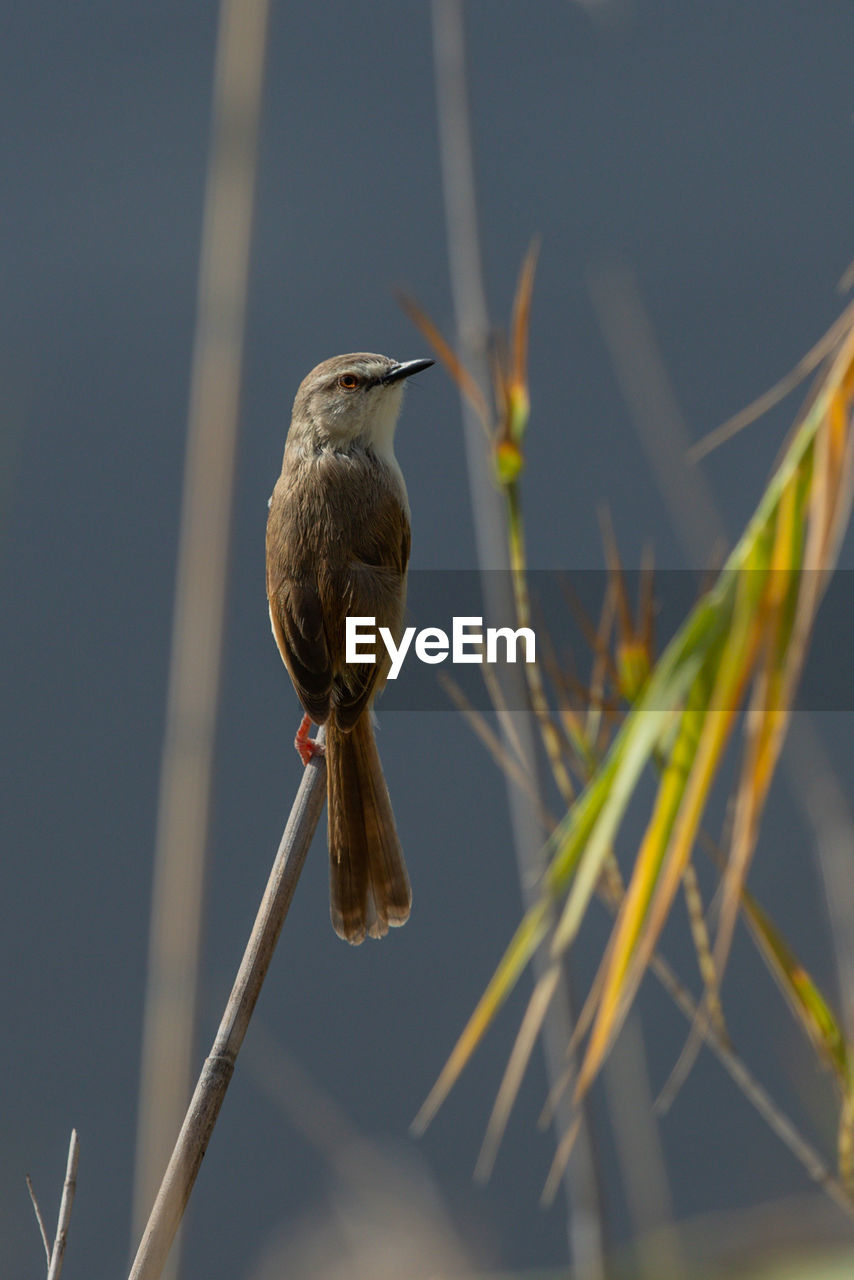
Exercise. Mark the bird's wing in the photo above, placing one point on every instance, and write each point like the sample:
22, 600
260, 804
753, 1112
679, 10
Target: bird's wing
375, 587
317, 577
296, 609
297, 620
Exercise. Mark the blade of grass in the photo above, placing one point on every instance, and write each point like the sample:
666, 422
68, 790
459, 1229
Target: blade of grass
778, 391
630, 957
526, 1039
460, 375
767, 714
527, 938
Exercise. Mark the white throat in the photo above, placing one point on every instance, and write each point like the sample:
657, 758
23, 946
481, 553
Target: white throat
383, 422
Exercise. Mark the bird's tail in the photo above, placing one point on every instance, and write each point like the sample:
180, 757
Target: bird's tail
368, 885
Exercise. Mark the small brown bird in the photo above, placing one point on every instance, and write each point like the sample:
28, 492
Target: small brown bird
338, 546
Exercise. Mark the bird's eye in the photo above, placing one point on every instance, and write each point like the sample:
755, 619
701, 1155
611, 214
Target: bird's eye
349, 381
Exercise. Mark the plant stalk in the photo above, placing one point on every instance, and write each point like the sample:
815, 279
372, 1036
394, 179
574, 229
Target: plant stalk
189, 1150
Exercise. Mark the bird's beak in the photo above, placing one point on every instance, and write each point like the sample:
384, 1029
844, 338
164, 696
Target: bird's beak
405, 370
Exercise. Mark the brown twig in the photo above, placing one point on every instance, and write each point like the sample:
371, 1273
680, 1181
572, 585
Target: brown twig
218, 1069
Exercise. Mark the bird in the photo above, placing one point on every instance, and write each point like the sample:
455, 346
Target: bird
338, 542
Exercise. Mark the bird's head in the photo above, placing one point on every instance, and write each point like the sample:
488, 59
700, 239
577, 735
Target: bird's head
352, 398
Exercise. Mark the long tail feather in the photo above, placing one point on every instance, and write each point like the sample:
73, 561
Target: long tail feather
368, 884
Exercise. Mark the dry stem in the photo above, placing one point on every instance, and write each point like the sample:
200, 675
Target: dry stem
55, 1256
218, 1069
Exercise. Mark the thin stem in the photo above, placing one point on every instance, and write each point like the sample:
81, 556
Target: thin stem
69, 1187
39, 1219
218, 1069
539, 702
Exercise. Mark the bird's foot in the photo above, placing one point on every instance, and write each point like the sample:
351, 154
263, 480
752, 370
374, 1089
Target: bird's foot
305, 745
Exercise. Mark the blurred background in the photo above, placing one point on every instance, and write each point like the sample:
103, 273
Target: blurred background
694, 159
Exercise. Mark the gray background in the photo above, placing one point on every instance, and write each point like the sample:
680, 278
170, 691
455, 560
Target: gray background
707, 146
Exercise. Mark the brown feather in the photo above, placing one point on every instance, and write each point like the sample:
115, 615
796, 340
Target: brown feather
368, 885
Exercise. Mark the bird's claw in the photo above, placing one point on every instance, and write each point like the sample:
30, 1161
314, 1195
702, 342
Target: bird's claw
306, 747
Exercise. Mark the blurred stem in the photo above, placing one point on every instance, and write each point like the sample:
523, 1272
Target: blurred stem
539, 702
638, 1144
200, 593
586, 1245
